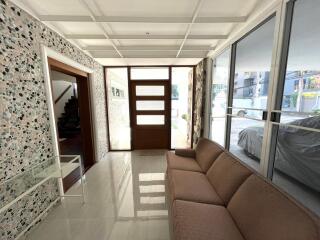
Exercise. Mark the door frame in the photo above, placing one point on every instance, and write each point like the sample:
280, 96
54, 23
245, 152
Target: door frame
129, 96
46, 53
276, 9
166, 111
273, 15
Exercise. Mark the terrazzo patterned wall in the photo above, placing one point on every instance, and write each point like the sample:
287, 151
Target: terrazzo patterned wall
25, 138
199, 101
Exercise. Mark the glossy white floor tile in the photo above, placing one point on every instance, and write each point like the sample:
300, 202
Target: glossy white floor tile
125, 199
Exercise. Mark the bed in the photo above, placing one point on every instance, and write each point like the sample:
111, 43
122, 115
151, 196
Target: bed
297, 152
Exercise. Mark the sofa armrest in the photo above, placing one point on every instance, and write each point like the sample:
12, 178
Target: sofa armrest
184, 152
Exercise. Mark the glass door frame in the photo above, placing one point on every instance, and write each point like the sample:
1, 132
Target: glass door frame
285, 27
277, 12
128, 74
107, 102
214, 61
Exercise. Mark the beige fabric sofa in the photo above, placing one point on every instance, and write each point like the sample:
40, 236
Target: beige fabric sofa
213, 196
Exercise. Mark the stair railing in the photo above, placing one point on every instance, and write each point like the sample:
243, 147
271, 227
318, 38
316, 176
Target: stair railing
62, 94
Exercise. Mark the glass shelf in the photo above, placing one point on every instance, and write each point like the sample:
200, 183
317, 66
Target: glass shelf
17, 187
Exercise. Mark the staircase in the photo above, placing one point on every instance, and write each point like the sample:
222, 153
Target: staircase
69, 122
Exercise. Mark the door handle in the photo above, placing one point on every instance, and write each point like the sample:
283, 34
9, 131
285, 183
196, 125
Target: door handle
264, 115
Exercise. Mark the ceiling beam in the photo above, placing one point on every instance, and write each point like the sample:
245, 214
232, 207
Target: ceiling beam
194, 17
99, 24
123, 36
123, 19
149, 48
162, 54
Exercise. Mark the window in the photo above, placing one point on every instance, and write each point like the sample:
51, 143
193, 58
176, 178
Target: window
150, 90
219, 97
295, 161
250, 93
118, 108
150, 119
149, 105
149, 73
181, 107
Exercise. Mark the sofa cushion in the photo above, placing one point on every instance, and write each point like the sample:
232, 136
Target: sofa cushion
185, 152
262, 212
183, 163
191, 186
198, 221
206, 152
226, 175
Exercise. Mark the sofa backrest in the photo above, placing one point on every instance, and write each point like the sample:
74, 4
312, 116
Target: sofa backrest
226, 175
263, 212
206, 152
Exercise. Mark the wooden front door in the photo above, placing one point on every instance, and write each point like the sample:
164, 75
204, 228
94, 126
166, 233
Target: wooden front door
150, 114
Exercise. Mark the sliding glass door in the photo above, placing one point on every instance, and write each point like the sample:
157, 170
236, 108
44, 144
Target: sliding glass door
295, 145
219, 97
247, 107
273, 110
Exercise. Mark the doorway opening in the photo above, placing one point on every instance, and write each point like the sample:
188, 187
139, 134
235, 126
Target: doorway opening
181, 107
149, 107
72, 112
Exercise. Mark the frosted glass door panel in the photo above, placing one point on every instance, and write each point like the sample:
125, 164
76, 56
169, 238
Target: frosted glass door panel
149, 90
149, 105
148, 73
150, 119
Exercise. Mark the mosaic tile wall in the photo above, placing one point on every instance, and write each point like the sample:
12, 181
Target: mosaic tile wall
24, 121
199, 101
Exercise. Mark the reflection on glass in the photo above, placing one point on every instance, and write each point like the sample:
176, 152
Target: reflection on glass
296, 166
151, 176
246, 140
149, 73
297, 158
181, 107
219, 96
302, 82
152, 213
150, 105
302, 91
13, 188
152, 200
252, 69
151, 188
150, 119
150, 90
118, 108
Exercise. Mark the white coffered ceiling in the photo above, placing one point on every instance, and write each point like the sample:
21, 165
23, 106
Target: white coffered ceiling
134, 32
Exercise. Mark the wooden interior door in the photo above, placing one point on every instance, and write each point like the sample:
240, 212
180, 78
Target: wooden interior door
150, 114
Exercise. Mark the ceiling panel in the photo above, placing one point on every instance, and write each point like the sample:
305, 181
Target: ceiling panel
151, 28
224, 8
79, 28
95, 42
147, 61
208, 42
150, 42
146, 8
212, 28
143, 9
57, 7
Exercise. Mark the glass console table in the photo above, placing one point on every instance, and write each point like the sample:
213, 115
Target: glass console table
14, 189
